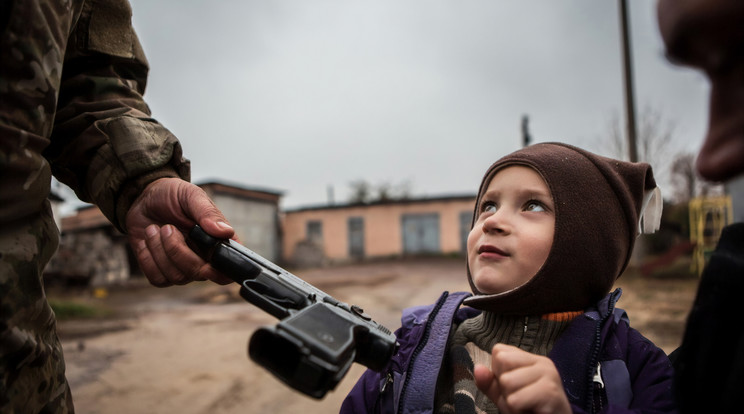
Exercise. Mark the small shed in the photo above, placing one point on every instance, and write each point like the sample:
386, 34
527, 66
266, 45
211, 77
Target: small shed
91, 251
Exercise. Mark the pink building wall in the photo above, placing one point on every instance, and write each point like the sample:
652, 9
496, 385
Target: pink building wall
382, 226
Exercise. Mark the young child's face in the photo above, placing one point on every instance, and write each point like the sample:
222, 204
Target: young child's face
513, 231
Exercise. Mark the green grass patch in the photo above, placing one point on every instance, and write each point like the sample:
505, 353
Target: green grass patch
66, 309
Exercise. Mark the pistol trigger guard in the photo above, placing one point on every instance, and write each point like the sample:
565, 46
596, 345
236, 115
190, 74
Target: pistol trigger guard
269, 304
263, 290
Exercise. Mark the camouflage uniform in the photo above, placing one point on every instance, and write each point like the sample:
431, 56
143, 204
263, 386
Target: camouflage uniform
72, 75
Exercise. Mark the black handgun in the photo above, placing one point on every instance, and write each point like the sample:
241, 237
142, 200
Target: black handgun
317, 338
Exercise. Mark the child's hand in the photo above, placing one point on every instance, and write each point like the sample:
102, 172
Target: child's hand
519, 381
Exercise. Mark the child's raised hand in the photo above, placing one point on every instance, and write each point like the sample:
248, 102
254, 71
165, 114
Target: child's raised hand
519, 381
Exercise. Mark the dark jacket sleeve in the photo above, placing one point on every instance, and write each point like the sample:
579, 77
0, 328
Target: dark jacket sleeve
710, 364
376, 392
637, 375
650, 375
104, 143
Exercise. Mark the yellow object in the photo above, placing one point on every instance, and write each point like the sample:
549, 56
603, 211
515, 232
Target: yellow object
708, 217
100, 293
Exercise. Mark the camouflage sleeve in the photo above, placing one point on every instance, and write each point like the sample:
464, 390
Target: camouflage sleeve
104, 144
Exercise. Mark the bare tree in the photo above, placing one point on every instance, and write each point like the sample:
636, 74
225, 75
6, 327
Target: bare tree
684, 178
385, 191
654, 136
402, 190
686, 183
363, 192
654, 140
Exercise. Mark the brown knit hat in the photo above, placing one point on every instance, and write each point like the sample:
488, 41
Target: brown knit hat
599, 203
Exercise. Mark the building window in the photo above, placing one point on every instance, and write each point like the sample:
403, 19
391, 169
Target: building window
315, 231
356, 237
420, 233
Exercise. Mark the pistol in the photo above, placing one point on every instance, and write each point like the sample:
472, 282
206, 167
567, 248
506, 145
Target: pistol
317, 338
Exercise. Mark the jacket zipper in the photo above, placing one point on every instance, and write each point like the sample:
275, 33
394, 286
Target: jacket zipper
598, 376
598, 384
595, 355
419, 348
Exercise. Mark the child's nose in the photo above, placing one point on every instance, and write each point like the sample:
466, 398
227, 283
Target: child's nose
498, 222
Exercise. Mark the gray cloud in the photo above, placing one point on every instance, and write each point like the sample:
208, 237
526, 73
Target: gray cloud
297, 95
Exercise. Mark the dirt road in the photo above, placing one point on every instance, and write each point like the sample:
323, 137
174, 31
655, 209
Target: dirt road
183, 349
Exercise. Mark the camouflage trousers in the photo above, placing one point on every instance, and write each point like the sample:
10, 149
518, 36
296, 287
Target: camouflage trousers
32, 368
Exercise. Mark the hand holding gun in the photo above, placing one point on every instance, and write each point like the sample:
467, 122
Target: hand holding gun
317, 337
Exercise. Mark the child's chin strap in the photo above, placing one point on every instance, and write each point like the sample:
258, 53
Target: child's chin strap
650, 217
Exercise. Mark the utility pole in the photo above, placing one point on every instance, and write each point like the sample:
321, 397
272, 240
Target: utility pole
628, 81
526, 137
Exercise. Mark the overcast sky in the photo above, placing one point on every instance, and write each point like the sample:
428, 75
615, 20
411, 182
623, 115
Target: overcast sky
297, 96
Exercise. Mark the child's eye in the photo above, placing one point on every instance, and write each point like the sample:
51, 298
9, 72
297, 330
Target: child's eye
534, 205
488, 207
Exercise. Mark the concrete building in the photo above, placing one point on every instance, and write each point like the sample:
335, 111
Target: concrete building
339, 233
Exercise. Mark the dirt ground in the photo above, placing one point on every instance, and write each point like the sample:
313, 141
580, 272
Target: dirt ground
183, 349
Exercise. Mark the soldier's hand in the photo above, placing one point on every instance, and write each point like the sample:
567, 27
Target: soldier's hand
153, 224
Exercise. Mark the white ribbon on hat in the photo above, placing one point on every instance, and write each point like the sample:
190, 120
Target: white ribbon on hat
650, 218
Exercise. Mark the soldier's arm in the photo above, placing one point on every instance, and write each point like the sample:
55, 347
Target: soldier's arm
105, 145
112, 153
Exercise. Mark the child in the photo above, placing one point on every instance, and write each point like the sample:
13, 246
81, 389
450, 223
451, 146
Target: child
554, 226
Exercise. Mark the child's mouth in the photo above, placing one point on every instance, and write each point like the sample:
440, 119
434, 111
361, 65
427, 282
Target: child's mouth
486, 248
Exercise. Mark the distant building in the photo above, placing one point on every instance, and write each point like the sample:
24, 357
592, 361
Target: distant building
93, 252
252, 212
314, 236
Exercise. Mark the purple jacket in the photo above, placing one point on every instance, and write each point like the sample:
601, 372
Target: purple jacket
636, 376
